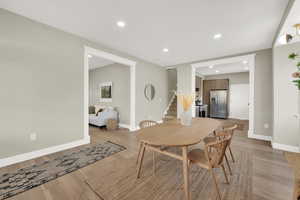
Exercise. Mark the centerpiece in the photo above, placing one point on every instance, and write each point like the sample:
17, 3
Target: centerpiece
186, 116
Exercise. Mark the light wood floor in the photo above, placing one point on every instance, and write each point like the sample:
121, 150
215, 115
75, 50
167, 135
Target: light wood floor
260, 173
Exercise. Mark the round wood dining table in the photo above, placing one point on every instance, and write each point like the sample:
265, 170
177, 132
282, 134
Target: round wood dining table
173, 134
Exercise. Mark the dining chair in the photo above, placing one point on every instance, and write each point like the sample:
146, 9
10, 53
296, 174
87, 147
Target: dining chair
211, 157
231, 130
146, 124
221, 134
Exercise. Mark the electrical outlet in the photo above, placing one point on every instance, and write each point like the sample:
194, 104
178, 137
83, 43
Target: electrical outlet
33, 136
266, 125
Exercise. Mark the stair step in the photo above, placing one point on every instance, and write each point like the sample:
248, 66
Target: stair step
172, 113
168, 117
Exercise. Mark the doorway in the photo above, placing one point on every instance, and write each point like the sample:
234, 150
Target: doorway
88, 52
240, 100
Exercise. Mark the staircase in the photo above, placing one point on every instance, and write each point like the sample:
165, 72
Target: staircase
171, 112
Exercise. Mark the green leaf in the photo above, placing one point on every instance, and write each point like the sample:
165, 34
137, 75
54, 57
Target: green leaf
298, 64
293, 56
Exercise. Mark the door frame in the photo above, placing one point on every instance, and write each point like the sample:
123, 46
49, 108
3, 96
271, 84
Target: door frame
117, 59
251, 64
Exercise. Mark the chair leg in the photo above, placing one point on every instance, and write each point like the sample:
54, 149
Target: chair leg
231, 154
216, 184
225, 174
141, 158
153, 153
228, 165
140, 148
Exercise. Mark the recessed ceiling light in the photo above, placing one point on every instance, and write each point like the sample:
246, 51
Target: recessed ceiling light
217, 36
121, 24
89, 56
217, 71
211, 66
245, 62
165, 50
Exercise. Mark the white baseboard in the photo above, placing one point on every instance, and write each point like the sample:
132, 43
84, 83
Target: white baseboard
128, 127
125, 126
285, 147
233, 117
259, 137
35, 154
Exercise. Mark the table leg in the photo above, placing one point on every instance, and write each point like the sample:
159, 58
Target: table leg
141, 158
186, 173
154, 162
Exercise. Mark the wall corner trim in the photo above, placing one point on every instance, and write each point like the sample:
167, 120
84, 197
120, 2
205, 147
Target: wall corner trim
42, 152
285, 147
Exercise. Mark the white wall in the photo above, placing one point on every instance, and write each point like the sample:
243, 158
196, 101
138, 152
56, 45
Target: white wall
238, 93
286, 102
157, 76
42, 74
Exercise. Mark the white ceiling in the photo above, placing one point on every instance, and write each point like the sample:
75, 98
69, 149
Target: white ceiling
186, 28
223, 69
292, 18
96, 62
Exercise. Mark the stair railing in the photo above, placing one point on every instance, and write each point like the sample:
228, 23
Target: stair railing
174, 94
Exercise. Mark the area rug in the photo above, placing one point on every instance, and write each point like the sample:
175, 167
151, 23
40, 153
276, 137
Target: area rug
26, 178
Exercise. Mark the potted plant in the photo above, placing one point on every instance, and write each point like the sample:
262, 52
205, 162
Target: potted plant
296, 75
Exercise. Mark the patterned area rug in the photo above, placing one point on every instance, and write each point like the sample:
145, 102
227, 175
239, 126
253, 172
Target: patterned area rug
30, 177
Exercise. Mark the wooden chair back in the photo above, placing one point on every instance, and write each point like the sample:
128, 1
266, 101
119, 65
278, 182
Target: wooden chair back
147, 123
230, 129
215, 151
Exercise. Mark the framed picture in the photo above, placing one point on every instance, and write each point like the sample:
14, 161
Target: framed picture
106, 92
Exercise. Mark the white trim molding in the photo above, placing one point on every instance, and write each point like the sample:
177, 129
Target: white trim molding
285, 147
124, 125
117, 59
233, 117
42, 152
259, 137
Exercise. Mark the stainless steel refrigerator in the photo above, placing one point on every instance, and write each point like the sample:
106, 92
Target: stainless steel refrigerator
218, 104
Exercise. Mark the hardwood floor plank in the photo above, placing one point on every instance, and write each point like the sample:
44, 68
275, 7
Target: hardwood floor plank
259, 173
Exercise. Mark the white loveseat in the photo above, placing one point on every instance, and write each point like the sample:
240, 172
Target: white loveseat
101, 115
